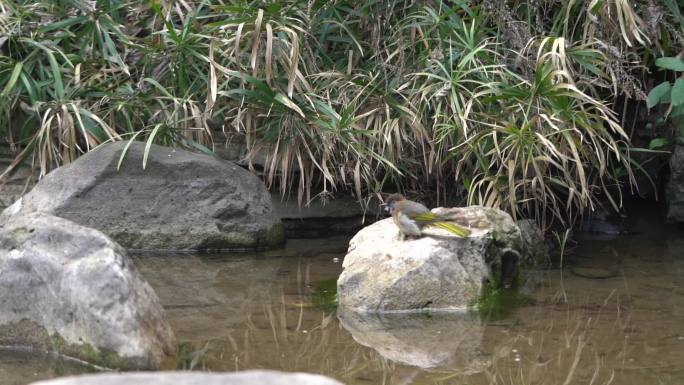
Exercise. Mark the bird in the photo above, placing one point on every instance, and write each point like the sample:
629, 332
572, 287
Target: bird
410, 217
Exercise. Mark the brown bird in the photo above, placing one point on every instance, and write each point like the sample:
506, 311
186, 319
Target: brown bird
410, 217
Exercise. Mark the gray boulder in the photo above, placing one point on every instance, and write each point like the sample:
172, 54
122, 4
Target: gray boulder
180, 201
70, 289
437, 271
251, 377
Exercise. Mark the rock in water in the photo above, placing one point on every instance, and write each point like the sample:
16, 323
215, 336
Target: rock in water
180, 201
70, 289
438, 271
250, 377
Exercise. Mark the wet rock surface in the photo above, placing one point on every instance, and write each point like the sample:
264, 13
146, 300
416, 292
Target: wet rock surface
382, 273
179, 201
70, 289
254, 377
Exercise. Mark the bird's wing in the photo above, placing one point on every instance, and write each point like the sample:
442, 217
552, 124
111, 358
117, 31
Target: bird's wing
413, 209
425, 217
418, 212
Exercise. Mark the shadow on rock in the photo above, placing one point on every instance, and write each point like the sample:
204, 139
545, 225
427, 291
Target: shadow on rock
426, 340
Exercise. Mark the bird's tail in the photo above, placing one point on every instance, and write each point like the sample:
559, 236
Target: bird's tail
452, 228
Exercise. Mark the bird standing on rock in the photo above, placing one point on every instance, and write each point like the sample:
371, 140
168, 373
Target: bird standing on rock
410, 217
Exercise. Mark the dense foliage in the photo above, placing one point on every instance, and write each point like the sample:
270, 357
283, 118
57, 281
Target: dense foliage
513, 104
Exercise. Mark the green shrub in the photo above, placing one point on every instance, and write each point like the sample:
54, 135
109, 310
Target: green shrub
508, 104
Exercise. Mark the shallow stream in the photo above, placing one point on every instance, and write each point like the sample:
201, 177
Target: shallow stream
613, 315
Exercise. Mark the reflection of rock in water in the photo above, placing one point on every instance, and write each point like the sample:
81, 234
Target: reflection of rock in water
422, 340
205, 298
19, 367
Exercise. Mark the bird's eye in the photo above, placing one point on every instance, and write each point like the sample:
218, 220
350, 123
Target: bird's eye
389, 207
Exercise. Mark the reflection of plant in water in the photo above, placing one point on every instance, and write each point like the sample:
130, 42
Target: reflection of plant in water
562, 242
296, 330
497, 302
556, 366
325, 296
298, 341
189, 357
580, 344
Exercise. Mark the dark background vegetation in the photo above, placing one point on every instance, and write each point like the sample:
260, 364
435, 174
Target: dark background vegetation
538, 107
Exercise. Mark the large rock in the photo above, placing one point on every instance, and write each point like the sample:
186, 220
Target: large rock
251, 377
181, 200
70, 289
674, 195
437, 271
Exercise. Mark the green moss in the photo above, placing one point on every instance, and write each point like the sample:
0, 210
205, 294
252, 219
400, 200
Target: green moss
190, 355
325, 296
496, 302
275, 235
100, 357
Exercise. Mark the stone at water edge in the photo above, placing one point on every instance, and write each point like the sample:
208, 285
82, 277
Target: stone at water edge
70, 289
180, 201
443, 272
250, 377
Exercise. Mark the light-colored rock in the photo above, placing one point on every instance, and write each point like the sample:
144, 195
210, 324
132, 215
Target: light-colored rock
441, 340
180, 201
70, 289
437, 271
251, 377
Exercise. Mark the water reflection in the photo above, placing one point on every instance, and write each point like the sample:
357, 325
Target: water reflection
21, 366
272, 311
425, 341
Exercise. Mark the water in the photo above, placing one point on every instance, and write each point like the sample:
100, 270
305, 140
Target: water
616, 317
22, 367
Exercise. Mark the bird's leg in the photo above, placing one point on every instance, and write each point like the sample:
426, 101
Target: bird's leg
410, 237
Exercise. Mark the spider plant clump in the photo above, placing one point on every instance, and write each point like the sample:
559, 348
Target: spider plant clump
519, 105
